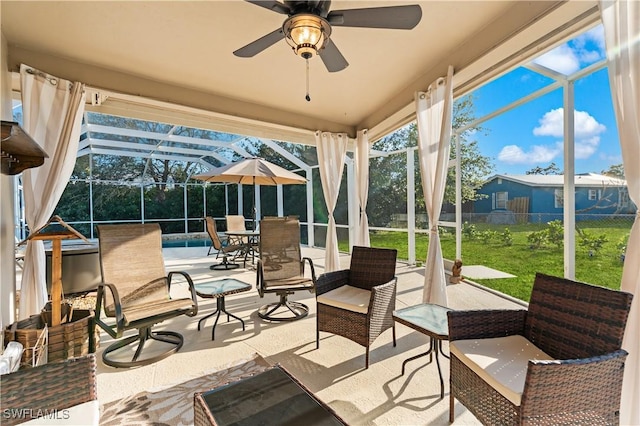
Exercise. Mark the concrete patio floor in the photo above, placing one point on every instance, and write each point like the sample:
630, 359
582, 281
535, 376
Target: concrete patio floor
335, 372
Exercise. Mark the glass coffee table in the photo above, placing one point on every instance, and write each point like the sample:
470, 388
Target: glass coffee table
273, 397
431, 320
218, 289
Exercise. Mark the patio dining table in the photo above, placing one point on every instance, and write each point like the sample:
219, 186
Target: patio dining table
248, 239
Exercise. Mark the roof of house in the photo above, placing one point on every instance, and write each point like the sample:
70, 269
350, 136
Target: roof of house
585, 179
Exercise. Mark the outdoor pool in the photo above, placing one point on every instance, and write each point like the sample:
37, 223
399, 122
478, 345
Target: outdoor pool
186, 242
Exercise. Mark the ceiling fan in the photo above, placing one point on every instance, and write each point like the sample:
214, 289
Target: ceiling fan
307, 27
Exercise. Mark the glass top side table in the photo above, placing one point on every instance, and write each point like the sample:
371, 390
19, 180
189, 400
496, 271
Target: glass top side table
218, 289
431, 320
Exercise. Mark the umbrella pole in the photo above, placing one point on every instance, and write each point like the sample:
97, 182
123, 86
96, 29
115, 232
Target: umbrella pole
253, 212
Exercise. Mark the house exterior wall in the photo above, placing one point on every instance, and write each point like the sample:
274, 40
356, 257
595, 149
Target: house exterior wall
542, 199
513, 189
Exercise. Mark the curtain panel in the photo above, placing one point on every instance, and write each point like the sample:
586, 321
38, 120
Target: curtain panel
621, 21
52, 110
434, 109
332, 150
362, 187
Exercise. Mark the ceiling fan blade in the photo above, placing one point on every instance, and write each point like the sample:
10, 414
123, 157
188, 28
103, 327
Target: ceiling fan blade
332, 58
260, 44
392, 17
271, 5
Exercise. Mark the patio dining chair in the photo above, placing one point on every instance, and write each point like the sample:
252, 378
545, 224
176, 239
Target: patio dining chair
358, 303
281, 269
135, 292
223, 248
557, 362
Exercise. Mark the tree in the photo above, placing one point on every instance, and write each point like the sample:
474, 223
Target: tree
551, 169
474, 167
615, 170
388, 178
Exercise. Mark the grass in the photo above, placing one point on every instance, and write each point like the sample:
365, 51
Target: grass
603, 267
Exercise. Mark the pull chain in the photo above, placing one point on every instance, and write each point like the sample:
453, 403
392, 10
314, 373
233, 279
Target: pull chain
308, 98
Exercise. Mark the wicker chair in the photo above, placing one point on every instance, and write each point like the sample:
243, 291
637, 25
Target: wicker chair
358, 303
571, 371
135, 291
281, 269
68, 387
223, 248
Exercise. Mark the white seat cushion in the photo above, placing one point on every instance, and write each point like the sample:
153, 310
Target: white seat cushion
500, 361
347, 297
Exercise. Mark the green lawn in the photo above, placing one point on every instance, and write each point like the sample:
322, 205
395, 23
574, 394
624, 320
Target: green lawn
603, 267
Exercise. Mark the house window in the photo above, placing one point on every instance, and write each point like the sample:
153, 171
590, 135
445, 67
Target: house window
558, 198
500, 200
623, 198
593, 194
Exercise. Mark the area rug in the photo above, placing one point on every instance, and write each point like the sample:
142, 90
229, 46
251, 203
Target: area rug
174, 406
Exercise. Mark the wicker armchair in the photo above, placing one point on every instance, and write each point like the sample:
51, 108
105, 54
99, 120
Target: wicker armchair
572, 368
358, 303
223, 248
68, 385
281, 269
135, 291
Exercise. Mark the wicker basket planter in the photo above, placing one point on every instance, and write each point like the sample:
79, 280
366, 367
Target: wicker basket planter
75, 338
33, 334
72, 339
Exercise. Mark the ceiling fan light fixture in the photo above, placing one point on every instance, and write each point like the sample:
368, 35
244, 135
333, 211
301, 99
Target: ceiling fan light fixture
306, 34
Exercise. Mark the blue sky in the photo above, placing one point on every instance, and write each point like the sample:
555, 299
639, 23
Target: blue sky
532, 134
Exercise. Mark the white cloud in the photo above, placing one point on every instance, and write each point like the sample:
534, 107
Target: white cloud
612, 159
561, 59
595, 36
552, 124
567, 58
513, 154
587, 139
585, 148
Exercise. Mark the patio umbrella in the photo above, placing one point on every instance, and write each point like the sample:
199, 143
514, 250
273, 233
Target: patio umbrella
254, 171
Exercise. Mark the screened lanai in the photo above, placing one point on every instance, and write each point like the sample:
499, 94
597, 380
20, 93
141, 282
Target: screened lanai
287, 116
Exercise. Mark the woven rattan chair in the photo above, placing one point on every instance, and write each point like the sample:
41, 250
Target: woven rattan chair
567, 371
135, 291
66, 387
358, 303
223, 248
281, 269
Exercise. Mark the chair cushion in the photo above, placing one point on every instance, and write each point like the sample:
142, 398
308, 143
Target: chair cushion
347, 297
501, 362
135, 313
294, 283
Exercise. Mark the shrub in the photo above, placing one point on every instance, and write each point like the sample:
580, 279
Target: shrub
555, 233
507, 238
469, 230
487, 236
537, 239
621, 246
593, 243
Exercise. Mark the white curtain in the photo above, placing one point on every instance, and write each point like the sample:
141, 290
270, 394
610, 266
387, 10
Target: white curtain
52, 111
433, 111
332, 150
621, 21
362, 187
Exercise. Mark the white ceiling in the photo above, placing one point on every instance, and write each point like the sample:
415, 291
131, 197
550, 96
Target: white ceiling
180, 52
